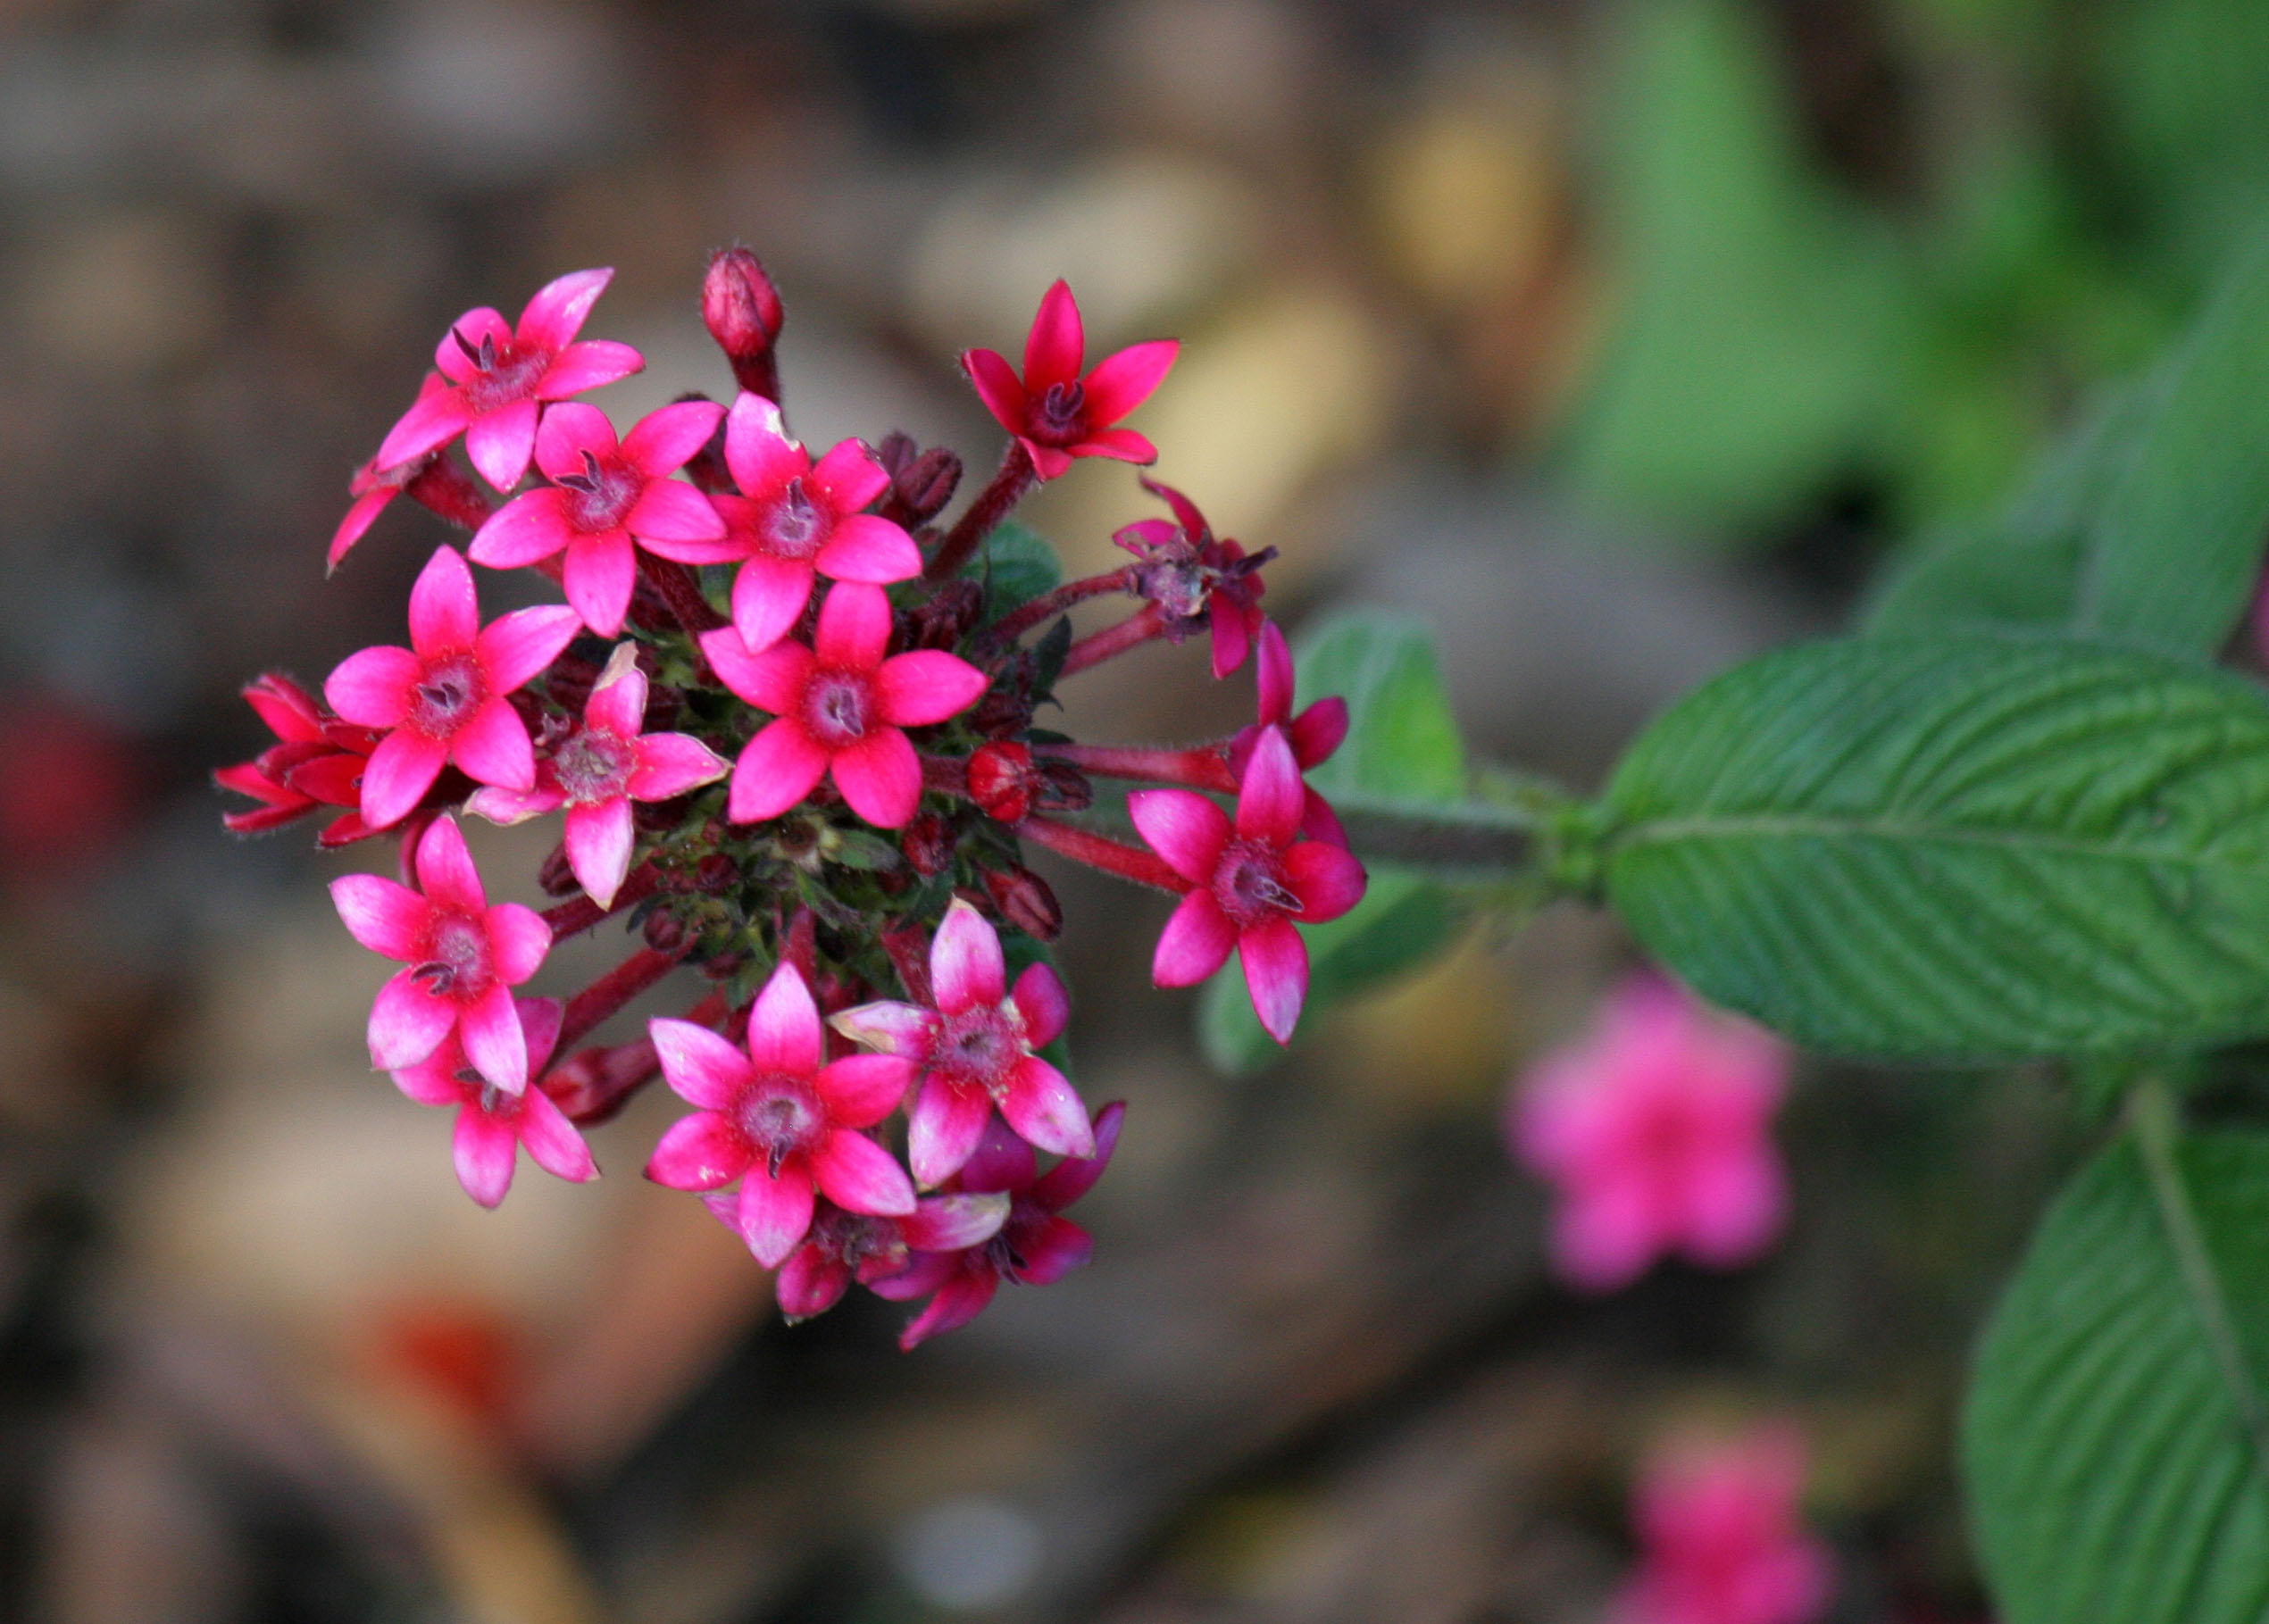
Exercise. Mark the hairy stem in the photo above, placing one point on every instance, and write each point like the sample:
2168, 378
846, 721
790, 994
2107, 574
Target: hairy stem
1049, 604
1138, 628
606, 995
1197, 767
573, 917
1101, 851
1477, 839
1014, 476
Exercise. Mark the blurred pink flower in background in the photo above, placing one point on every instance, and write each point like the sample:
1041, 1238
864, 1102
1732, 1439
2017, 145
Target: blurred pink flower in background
1722, 1542
1655, 1129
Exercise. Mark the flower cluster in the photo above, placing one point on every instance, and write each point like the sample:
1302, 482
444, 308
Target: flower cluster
1723, 1536
785, 716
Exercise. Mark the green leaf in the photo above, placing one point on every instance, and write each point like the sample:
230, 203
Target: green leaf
1018, 564
1402, 742
2114, 1445
1960, 848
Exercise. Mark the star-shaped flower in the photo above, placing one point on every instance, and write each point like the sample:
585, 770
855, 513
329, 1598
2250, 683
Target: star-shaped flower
492, 1125
1052, 410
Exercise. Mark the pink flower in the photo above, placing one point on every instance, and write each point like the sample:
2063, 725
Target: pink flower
464, 959
841, 709
1057, 414
1250, 881
602, 496
842, 1246
1655, 1129
794, 520
1314, 734
447, 698
1194, 579
317, 761
779, 1117
975, 1049
1722, 1540
497, 376
598, 769
375, 484
492, 1125
1035, 1246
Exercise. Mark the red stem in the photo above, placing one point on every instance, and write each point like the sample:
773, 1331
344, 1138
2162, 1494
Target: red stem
679, 589
574, 917
595, 1084
606, 995
1137, 628
1101, 851
443, 489
1014, 476
1049, 604
1199, 767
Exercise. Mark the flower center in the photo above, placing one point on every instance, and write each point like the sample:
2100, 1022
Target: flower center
1248, 883
835, 706
601, 495
595, 765
1059, 417
445, 697
796, 527
781, 1117
502, 375
456, 963
979, 1048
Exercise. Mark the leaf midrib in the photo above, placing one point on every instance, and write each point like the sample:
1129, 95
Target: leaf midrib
1668, 830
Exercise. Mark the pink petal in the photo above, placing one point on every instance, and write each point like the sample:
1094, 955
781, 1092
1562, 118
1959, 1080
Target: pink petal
673, 512
485, 1150
399, 773
551, 1140
1327, 878
506, 808
1320, 729
1605, 1238
702, 1068
561, 306
757, 450
855, 626
959, 1300
1041, 1106
437, 418
568, 430
943, 1129
433, 1080
949, 1223
502, 442
1195, 944
670, 764
384, 917
1060, 1247
476, 324
848, 477
1043, 1004
539, 1017
599, 838
513, 648
701, 1151
407, 1023
860, 1176
359, 519
776, 770
771, 678
926, 686
1048, 462
1057, 342
1735, 1207
891, 1029
925, 1272
996, 385
1121, 382
618, 701
784, 1031
589, 365
1119, 444
493, 747
1074, 1177
1232, 638
372, 687
769, 596
445, 615
860, 1090
532, 525
865, 549
1270, 797
663, 441
1318, 821
880, 777
1276, 974
519, 940
1274, 677
1182, 827
965, 964
489, 1028
1003, 1161
446, 871
601, 574
810, 1282
776, 1211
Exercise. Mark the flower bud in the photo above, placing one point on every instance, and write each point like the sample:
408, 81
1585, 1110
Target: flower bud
942, 620
556, 877
924, 486
1063, 788
1026, 901
739, 305
716, 874
666, 933
1003, 711
897, 449
1001, 782
928, 843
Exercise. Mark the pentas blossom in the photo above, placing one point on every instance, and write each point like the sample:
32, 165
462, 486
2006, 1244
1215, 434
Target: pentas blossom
1314, 734
1055, 414
795, 520
1192, 578
779, 1119
316, 762
462, 957
447, 699
1656, 1128
597, 771
1252, 880
1035, 1246
604, 494
494, 1126
842, 1246
972, 1048
375, 484
496, 377
1722, 1539
841, 709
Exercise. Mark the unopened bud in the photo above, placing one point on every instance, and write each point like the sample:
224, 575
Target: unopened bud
1003, 711
1026, 902
947, 614
897, 449
557, 877
928, 843
739, 305
666, 933
925, 484
1001, 782
1063, 788
716, 874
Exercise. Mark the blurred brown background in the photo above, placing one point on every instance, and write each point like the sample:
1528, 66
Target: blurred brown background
1617, 341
